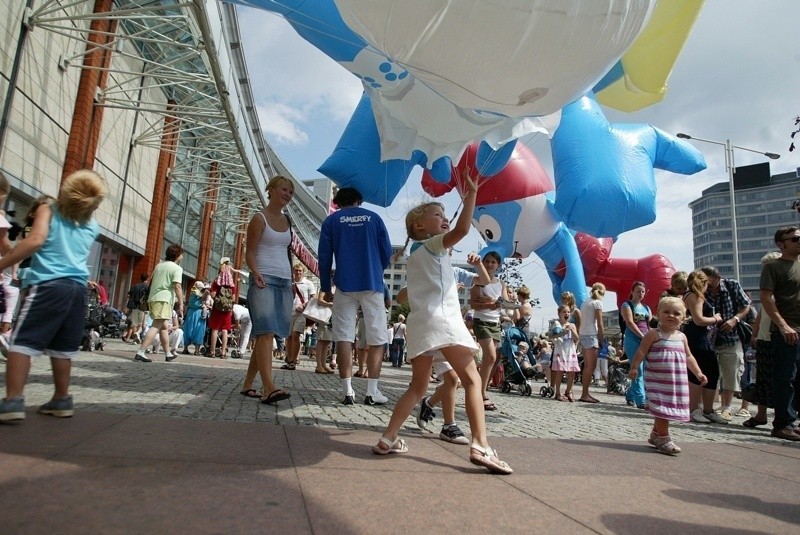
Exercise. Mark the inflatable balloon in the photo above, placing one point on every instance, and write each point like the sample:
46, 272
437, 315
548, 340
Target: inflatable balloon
356, 162
639, 79
619, 274
598, 162
516, 218
440, 74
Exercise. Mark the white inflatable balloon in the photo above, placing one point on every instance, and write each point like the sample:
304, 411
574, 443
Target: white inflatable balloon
482, 69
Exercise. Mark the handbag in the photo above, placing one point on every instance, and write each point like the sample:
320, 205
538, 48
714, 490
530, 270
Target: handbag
745, 332
750, 393
316, 312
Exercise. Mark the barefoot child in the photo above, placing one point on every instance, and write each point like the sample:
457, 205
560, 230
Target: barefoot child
53, 314
435, 324
565, 354
666, 356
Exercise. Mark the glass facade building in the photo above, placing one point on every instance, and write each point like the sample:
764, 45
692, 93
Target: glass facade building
764, 203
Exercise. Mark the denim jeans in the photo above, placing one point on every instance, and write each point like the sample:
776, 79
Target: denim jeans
635, 393
396, 351
784, 371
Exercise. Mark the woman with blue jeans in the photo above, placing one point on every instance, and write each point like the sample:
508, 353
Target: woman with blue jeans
637, 317
270, 297
398, 342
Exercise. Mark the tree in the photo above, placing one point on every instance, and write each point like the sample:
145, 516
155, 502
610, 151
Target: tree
513, 278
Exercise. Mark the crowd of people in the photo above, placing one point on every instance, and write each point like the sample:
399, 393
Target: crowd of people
686, 361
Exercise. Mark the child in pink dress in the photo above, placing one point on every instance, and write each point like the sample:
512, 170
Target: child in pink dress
565, 354
666, 356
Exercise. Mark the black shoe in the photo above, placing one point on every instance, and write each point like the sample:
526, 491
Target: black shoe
425, 414
141, 358
349, 400
170, 357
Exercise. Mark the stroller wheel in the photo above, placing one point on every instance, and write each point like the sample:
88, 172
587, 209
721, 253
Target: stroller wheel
543, 391
505, 387
235, 354
528, 389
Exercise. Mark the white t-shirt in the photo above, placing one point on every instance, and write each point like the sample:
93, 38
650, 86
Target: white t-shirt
493, 290
588, 322
306, 289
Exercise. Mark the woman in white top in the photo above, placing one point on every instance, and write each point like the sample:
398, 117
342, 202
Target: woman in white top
269, 296
486, 319
591, 332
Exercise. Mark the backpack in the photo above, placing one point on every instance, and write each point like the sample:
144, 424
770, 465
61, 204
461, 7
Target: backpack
622, 325
223, 301
139, 294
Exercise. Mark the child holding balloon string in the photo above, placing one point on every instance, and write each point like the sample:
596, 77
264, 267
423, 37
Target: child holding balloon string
435, 320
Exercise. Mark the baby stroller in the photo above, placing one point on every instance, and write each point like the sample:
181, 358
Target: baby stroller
93, 331
515, 377
233, 343
112, 322
618, 381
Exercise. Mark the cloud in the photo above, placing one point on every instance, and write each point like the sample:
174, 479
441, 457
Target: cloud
281, 123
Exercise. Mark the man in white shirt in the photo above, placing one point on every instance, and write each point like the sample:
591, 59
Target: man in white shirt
303, 290
242, 318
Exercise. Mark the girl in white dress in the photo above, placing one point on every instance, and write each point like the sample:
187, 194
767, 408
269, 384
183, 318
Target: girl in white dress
435, 323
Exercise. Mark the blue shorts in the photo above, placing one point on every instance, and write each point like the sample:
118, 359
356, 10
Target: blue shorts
51, 320
271, 306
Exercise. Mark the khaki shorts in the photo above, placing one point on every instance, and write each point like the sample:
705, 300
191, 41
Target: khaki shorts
731, 366
137, 317
160, 310
486, 329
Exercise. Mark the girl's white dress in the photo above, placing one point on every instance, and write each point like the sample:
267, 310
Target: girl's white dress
435, 319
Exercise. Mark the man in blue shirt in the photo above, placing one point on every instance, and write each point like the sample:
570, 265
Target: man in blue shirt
358, 241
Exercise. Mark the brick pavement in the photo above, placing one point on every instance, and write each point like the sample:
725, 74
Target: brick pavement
208, 389
163, 447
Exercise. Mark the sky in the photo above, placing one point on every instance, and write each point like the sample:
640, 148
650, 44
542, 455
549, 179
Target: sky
737, 78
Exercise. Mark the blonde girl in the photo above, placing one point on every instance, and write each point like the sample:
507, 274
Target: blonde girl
565, 355
591, 332
434, 323
666, 357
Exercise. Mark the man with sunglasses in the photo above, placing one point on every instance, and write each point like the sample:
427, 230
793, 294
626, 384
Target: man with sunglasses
780, 299
728, 299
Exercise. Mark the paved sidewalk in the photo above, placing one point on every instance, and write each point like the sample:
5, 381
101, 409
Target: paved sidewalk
165, 446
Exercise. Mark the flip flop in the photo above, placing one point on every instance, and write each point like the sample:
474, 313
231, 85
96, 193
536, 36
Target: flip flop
487, 458
398, 446
275, 396
251, 393
590, 400
489, 406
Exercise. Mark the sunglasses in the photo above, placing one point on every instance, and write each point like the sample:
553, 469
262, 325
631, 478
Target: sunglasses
794, 239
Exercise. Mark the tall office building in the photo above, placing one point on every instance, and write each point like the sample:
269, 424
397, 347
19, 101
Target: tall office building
764, 203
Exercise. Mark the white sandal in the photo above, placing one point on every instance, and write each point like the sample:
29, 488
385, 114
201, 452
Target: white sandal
487, 457
398, 446
666, 446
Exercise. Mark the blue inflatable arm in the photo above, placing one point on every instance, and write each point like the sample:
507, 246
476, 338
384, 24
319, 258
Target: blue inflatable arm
562, 248
598, 162
318, 22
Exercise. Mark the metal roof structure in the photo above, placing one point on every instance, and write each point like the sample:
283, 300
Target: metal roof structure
190, 50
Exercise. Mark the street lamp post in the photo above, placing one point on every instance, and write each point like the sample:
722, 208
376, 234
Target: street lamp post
731, 168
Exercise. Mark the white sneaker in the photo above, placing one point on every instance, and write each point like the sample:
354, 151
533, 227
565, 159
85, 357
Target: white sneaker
375, 399
715, 418
699, 417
